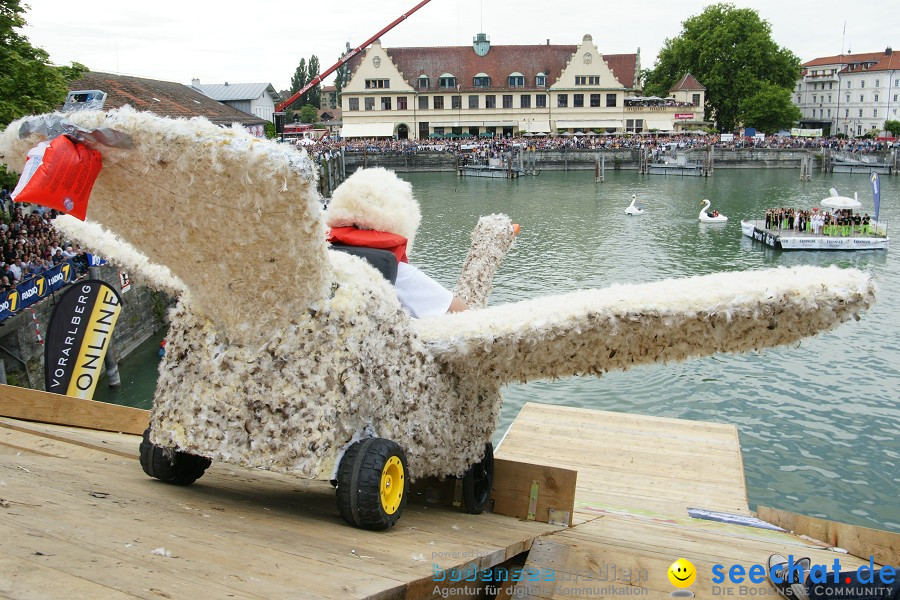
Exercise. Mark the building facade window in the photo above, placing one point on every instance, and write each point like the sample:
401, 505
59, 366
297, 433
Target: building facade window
874, 112
862, 83
490, 101
814, 98
862, 98
848, 97
848, 85
456, 102
540, 80
507, 101
540, 101
353, 104
876, 97
877, 82
401, 103
378, 84
860, 112
829, 84
447, 81
370, 103
525, 101
423, 102
695, 99
634, 125
577, 100
829, 97
424, 83
829, 113
595, 100
562, 100
386, 103
580, 80
473, 101
516, 80
610, 100
481, 81
438, 102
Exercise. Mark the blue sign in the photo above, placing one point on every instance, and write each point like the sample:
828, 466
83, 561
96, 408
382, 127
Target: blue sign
36, 289
876, 192
93, 260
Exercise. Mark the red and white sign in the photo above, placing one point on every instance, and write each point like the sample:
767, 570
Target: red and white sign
684, 116
124, 281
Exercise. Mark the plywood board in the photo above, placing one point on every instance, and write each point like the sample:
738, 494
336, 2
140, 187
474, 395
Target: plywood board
44, 407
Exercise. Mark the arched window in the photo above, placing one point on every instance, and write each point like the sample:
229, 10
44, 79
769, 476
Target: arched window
481, 80
516, 80
424, 84
540, 80
447, 80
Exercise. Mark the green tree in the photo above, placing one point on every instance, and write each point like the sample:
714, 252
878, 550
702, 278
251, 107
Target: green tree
30, 84
298, 80
770, 109
308, 113
341, 77
314, 95
893, 127
730, 51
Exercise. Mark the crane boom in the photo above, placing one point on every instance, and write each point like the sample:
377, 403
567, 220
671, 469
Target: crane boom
279, 108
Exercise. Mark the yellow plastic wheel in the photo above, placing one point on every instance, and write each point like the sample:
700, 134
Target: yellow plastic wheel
392, 485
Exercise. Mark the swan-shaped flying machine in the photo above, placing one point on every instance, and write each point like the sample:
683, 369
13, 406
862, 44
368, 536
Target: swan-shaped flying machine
287, 356
705, 217
632, 209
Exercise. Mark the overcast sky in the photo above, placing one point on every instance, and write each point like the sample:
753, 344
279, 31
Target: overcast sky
264, 40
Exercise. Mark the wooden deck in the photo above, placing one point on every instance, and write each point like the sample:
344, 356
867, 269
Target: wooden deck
79, 519
636, 477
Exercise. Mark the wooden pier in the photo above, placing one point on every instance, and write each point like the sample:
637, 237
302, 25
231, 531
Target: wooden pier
79, 519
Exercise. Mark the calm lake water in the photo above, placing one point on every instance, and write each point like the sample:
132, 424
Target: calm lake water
819, 422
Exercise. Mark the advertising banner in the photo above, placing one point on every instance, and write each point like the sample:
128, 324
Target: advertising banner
78, 336
35, 289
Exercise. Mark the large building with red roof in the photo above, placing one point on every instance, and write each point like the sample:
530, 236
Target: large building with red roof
851, 94
483, 90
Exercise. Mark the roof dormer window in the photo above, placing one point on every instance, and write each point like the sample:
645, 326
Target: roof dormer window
540, 80
481, 80
516, 80
424, 82
447, 80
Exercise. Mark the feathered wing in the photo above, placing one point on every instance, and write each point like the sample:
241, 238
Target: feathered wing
235, 218
590, 332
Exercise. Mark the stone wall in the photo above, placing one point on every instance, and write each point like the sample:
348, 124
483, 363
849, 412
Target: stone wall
143, 313
579, 160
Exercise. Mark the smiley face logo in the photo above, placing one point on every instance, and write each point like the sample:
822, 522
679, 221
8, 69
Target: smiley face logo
682, 573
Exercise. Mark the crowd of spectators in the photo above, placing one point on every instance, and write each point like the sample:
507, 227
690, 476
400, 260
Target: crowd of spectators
842, 223
29, 245
658, 143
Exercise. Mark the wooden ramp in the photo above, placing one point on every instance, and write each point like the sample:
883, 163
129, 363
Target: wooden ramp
79, 519
636, 478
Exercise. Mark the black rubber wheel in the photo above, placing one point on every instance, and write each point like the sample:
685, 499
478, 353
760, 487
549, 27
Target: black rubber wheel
169, 465
373, 484
478, 482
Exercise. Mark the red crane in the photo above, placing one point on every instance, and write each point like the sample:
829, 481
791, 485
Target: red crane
279, 108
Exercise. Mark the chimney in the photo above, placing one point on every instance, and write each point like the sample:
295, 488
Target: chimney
548, 41
226, 83
195, 82
888, 51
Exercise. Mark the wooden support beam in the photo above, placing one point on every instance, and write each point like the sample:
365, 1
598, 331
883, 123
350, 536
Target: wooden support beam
534, 492
861, 542
44, 407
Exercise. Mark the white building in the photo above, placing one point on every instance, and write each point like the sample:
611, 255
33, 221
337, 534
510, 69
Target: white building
849, 93
485, 90
257, 99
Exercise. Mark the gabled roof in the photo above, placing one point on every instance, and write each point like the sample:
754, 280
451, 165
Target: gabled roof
329, 114
687, 83
164, 98
859, 63
844, 59
227, 92
498, 64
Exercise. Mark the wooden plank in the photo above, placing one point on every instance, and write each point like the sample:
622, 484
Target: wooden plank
513, 482
44, 407
862, 542
25, 579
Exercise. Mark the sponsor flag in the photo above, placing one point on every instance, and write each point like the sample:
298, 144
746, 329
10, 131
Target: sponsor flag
876, 192
78, 335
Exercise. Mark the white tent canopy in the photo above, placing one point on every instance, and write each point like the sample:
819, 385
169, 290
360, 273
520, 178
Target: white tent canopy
836, 201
